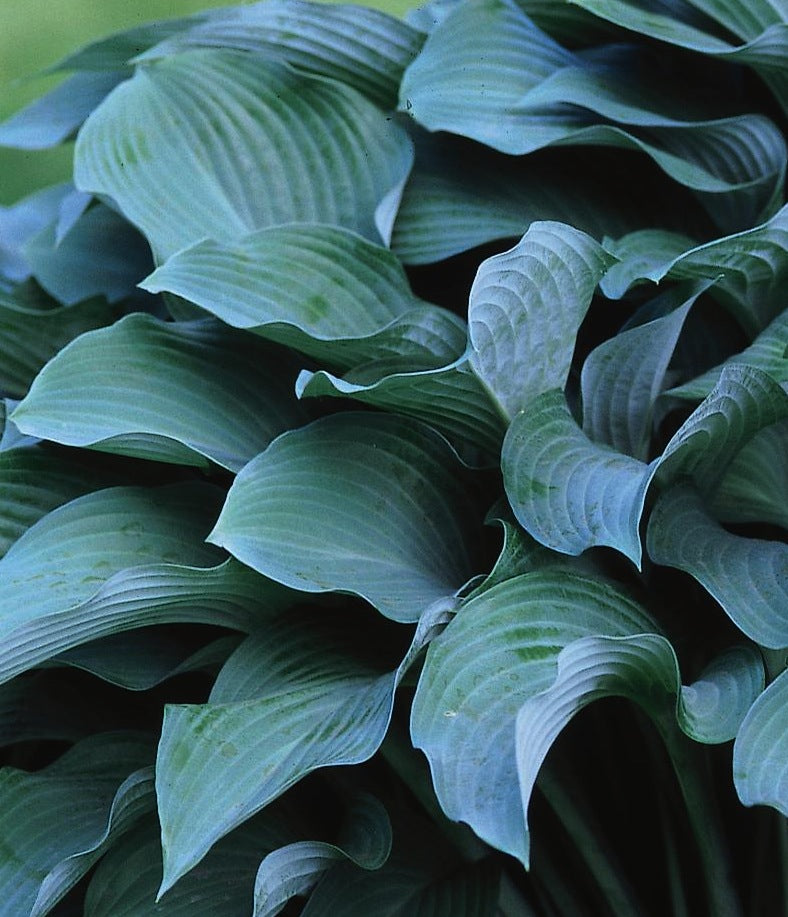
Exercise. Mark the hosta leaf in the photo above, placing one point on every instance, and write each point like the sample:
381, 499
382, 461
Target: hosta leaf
747, 576
370, 504
751, 267
568, 492
139, 660
531, 300
768, 352
118, 559
295, 696
758, 23
365, 48
56, 116
623, 376
58, 821
451, 399
712, 708
543, 95
44, 706
365, 839
500, 650
350, 303
459, 197
755, 485
100, 255
743, 402
408, 886
23, 220
183, 393
761, 750
126, 880
29, 337
34, 481
639, 254
232, 143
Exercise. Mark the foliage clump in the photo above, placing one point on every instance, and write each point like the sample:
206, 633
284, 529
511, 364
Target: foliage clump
379, 395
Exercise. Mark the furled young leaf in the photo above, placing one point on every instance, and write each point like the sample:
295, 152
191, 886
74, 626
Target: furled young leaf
118, 559
747, 576
501, 649
232, 143
761, 749
56, 116
768, 352
755, 485
365, 48
370, 504
126, 880
176, 392
531, 301
751, 266
365, 839
528, 92
451, 399
58, 821
568, 492
29, 337
303, 693
350, 304
100, 255
713, 707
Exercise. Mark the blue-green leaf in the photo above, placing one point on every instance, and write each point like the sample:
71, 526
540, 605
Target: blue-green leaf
532, 300
218, 143
371, 504
57, 822
176, 392
761, 750
747, 576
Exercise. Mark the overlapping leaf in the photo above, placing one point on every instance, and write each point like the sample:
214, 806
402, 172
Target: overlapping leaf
451, 399
57, 822
759, 24
365, 839
182, 393
100, 255
500, 650
20, 222
34, 481
29, 337
528, 92
56, 116
747, 576
118, 559
371, 504
350, 304
622, 378
767, 352
751, 267
363, 47
567, 491
303, 693
755, 485
531, 300
217, 143
126, 880
761, 750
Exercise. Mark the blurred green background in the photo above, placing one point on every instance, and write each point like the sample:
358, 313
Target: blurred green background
37, 33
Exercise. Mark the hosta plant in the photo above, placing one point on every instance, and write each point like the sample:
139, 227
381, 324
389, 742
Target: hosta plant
394, 467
